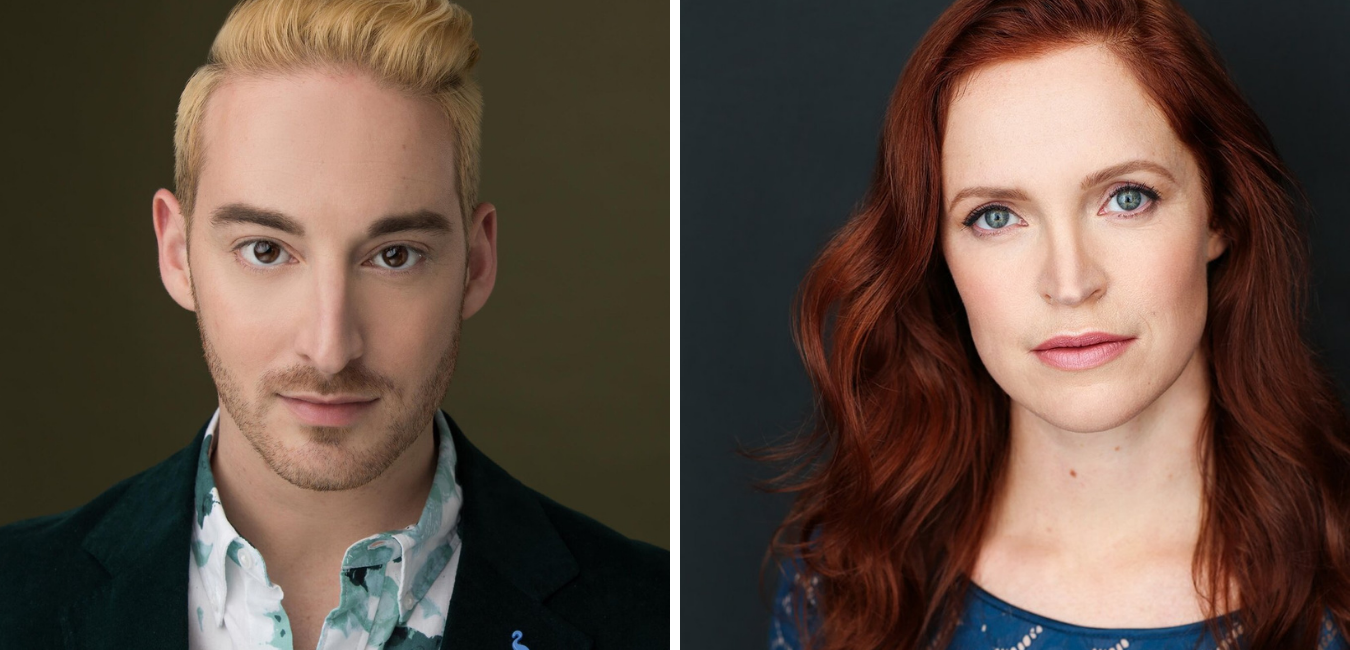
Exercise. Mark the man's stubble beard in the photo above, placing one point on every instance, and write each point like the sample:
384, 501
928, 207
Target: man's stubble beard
332, 466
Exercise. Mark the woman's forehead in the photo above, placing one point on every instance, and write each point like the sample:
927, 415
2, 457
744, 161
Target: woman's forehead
1052, 118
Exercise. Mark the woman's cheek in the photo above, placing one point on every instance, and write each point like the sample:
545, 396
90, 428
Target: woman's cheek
1169, 274
994, 304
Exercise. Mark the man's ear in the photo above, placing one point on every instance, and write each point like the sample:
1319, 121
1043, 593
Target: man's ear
171, 231
482, 266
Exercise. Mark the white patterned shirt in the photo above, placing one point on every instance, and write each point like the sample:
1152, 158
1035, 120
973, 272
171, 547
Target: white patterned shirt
396, 585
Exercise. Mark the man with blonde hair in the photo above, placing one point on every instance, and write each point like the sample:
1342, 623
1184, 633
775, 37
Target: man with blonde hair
326, 232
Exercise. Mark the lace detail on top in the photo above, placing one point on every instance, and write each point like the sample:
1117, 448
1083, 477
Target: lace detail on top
989, 623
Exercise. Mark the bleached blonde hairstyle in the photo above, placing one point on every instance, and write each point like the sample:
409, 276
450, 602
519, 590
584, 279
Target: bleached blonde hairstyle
421, 47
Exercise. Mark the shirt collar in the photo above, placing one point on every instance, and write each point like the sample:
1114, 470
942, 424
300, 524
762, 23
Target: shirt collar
419, 552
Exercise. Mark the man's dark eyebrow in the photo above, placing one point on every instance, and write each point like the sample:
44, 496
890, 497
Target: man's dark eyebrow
420, 220
243, 213
1093, 179
427, 220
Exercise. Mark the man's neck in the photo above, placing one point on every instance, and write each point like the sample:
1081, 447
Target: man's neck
295, 527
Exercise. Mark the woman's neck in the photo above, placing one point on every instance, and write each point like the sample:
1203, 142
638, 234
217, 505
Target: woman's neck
1078, 512
1109, 486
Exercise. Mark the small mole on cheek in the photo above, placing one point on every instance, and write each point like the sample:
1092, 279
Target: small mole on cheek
1117, 448
1073, 473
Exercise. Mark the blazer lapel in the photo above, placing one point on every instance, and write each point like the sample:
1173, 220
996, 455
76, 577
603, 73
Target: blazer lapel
142, 544
512, 559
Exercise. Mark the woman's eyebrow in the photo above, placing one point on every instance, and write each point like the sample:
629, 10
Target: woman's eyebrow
1097, 178
996, 193
1092, 180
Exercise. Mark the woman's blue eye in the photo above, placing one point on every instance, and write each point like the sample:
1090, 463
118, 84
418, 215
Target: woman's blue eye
994, 218
1129, 199
263, 253
997, 218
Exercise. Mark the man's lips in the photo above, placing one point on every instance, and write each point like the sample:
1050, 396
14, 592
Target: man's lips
329, 399
342, 414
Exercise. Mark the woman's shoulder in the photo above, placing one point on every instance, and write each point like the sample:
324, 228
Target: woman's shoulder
1331, 638
795, 606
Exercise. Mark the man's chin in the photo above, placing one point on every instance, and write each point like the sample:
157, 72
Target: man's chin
328, 459
323, 466
322, 436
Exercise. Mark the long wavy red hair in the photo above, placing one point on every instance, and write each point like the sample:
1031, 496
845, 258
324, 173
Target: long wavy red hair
895, 480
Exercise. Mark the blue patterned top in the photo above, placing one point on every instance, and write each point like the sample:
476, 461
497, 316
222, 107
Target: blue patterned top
989, 623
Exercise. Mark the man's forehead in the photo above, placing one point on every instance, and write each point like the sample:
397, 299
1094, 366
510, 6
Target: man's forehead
326, 143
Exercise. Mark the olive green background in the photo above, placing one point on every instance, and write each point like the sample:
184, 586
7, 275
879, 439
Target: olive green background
562, 378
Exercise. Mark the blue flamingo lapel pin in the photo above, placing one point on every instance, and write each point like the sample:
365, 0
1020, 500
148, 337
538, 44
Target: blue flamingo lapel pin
515, 641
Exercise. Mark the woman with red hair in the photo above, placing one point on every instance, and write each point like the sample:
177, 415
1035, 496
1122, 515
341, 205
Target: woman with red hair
1063, 399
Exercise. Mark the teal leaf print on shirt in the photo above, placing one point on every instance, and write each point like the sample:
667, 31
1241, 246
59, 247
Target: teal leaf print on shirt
201, 552
386, 612
281, 626
432, 569
353, 610
205, 483
232, 552
429, 609
430, 520
371, 554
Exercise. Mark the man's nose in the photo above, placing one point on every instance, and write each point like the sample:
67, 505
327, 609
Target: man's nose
330, 336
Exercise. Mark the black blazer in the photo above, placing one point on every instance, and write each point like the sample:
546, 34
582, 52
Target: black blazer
113, 573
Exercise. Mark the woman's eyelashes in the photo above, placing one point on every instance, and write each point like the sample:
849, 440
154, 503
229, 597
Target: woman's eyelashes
1128, 200
995, 217
1131, 198
263, 254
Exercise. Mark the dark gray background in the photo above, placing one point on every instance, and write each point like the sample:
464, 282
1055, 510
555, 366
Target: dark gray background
563, 378
781, 105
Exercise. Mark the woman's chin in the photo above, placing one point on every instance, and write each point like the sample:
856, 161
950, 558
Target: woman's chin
1078, 415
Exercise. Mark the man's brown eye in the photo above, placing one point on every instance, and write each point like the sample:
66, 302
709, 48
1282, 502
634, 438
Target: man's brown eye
395, 256
400, 257
266, 252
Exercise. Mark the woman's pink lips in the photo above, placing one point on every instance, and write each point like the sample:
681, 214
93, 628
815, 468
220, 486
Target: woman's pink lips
327, 415
1083, 358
